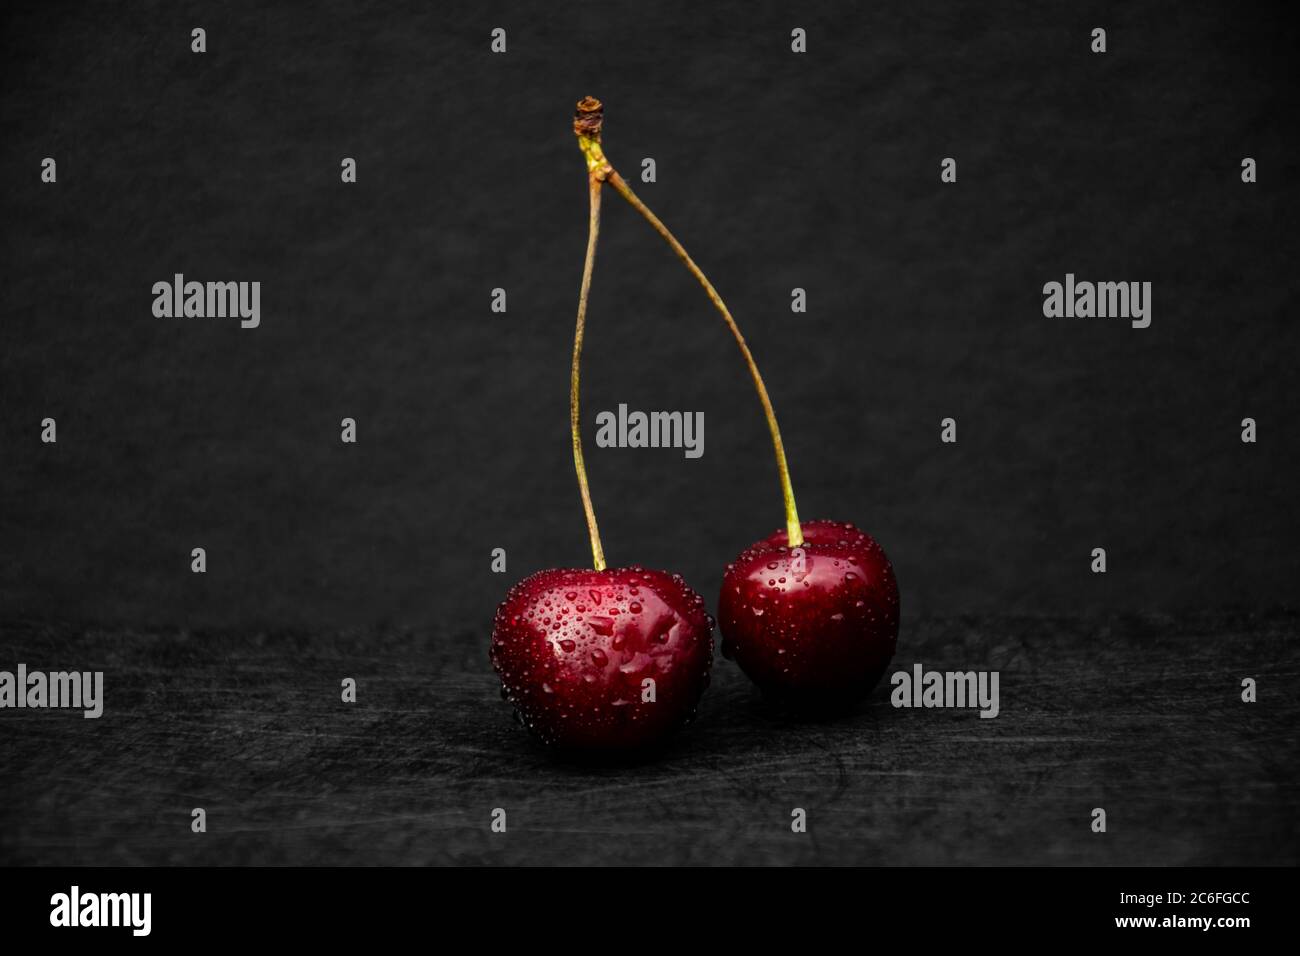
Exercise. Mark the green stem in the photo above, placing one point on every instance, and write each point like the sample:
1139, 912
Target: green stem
575, 422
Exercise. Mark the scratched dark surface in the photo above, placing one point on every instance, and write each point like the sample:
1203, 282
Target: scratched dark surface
1140, 715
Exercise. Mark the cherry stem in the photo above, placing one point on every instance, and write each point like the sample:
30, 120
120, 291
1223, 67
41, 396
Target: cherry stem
593, 232
793, 531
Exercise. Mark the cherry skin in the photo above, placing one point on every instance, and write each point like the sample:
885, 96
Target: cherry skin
816, 625
574, 648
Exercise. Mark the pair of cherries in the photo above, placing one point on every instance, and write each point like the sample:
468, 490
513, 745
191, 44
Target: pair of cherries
609, 660
815, 625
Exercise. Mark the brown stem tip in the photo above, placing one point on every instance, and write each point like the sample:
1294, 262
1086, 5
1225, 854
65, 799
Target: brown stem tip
588, 117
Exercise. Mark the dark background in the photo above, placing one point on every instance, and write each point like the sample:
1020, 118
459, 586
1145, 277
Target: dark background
776, 170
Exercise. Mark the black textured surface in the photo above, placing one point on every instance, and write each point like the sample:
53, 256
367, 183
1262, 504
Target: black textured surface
1138, 715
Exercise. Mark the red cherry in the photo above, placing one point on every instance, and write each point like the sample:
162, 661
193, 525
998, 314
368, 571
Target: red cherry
574, 649
817, 623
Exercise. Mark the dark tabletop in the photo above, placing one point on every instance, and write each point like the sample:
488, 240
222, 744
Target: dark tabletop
1139, 715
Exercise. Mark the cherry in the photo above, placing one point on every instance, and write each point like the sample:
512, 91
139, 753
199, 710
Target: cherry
606, 660
817, 623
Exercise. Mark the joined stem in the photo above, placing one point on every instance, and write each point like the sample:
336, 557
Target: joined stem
588, 121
